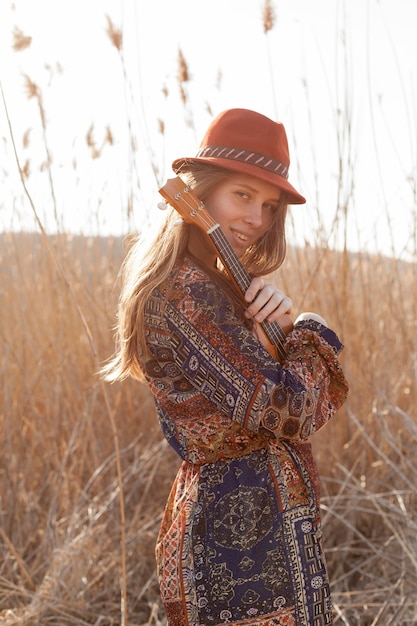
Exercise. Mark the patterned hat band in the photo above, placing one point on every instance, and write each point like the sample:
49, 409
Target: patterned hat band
245, 156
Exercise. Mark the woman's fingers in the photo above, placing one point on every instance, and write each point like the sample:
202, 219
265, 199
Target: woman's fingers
267, 302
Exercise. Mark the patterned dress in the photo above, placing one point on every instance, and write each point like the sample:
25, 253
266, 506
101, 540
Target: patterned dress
240, 538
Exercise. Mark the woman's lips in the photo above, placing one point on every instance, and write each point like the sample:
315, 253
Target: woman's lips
240, 237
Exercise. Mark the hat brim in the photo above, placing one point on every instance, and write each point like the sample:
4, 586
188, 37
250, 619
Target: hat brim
294, 197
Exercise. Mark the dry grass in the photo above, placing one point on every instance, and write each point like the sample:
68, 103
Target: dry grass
70, 553
60, 524
60, 517
367, 454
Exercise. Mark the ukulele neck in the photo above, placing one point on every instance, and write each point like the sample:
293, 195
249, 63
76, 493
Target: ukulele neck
242, 280
229, 259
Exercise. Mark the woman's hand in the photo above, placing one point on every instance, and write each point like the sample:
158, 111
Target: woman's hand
267, 302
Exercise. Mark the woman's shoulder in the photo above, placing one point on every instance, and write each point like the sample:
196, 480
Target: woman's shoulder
189, 279
186, 272
191, 289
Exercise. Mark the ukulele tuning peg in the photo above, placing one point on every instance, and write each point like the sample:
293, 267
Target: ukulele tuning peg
162, 206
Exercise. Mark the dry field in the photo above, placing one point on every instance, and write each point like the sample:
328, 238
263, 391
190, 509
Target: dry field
84, 473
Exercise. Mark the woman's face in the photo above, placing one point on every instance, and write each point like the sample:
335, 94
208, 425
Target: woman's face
244, 207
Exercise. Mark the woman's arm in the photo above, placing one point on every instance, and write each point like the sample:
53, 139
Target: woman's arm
224, 362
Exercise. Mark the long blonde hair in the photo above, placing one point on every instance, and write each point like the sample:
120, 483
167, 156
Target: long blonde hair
143, 271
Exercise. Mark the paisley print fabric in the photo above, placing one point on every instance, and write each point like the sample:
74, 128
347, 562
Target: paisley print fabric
240, 539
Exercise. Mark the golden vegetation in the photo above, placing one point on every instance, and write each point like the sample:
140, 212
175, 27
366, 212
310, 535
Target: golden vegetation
114, 34
268, 16
20, 40
60, 523
60, 529
84, 472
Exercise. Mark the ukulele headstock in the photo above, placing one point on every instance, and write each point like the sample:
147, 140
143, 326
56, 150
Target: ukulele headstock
182, 198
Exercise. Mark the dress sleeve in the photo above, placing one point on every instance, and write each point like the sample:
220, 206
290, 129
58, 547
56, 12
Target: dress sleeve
225, 362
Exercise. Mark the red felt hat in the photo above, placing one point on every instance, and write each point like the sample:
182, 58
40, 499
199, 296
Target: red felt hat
247, 142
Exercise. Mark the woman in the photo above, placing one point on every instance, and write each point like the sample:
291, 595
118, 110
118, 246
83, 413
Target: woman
240, 538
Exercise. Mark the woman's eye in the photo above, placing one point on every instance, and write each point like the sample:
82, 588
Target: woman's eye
270, 207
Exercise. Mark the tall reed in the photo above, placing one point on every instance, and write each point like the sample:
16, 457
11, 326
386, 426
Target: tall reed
60, 480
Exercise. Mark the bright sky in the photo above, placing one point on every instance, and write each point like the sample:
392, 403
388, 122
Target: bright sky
340, 74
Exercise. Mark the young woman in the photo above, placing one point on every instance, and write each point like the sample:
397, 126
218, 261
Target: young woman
240, 539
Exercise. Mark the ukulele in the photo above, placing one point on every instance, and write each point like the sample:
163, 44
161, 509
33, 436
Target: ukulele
181, 197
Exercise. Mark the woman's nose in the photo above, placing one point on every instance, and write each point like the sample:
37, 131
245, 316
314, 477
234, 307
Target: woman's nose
254, 214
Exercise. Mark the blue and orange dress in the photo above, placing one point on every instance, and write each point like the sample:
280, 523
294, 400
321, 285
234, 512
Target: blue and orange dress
240, 539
